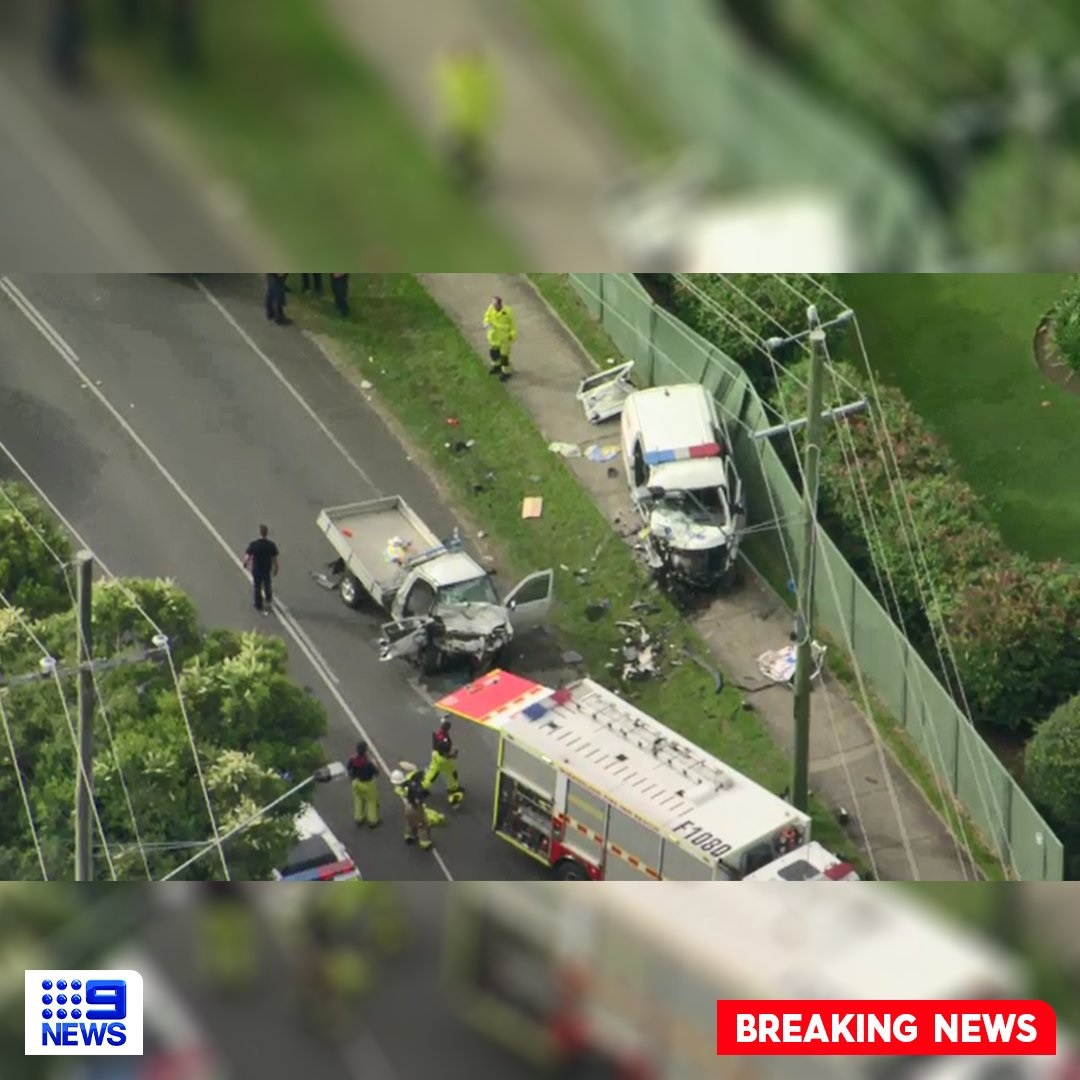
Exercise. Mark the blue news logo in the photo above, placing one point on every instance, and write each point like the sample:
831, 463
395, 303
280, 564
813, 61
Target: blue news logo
91, 1012
103, 1021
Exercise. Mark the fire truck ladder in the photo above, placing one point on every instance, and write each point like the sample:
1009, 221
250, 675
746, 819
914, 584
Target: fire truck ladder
648, 736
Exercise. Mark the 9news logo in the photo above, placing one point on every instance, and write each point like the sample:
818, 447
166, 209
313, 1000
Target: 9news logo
83, 1013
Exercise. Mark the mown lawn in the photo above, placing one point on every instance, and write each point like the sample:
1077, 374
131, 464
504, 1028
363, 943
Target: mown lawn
960, 347
305, 131
425, 372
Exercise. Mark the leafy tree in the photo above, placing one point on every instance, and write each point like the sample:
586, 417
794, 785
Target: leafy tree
1052, 761
31, 543
251, 723
1066, 318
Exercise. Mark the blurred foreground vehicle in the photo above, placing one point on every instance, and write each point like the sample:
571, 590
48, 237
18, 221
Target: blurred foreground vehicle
174, 1048
596, 790
624, 979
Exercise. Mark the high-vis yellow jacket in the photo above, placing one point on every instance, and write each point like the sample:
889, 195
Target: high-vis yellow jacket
468, 90
501, 327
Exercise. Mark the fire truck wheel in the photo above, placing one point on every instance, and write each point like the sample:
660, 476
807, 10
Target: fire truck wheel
569, 870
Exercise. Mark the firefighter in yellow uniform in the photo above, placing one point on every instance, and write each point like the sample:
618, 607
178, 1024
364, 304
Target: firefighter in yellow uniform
401, 778
468, 92
228, 942
443, 758
362, 772
501, 334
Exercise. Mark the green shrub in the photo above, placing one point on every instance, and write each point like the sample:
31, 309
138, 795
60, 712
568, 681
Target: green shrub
1066, 316
31, 543
1014, 632
766, 305
1052, 761
1012, 622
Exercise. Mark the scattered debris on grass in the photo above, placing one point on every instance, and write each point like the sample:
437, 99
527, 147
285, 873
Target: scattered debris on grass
532, 507
564, 449
597, 609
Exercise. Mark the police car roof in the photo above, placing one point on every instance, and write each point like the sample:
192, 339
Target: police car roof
672, 417
612, 747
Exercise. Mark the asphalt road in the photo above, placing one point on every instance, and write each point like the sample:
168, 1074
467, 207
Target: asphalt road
224, 445
85, 184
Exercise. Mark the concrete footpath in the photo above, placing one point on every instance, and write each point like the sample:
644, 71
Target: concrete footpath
554, 161
851, 768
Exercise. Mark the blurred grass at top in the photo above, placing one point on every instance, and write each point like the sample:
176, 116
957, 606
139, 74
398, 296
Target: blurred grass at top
284, 109
903, 66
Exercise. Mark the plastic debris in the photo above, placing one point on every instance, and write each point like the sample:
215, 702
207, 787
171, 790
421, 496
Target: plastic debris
453, 421
365, 385
565, 449
600, 454
571, 657
532, 507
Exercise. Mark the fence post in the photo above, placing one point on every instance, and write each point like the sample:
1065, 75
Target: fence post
956, 760
654, 319
854, 607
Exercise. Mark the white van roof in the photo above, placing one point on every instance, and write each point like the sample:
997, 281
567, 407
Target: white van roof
633, 761
674, 421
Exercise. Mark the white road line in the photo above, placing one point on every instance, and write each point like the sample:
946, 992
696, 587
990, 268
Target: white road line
300, 399
68, 355
95, 209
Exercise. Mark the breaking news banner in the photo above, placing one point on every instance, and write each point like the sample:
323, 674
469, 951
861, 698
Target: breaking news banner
896, 1028
79, 1013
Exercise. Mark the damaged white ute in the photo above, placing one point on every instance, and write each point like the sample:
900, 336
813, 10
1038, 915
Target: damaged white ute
442, 603
684, 484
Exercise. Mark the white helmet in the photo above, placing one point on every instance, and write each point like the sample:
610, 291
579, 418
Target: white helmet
397, 778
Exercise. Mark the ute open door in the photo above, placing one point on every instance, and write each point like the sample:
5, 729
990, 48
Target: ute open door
529, 602
602, 395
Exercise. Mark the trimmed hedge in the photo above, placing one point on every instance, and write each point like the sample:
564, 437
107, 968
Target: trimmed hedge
1013, 623
774, 305
1052, 762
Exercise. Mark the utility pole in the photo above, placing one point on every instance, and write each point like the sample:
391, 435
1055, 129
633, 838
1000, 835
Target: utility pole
84, 857
814, 423
804, 617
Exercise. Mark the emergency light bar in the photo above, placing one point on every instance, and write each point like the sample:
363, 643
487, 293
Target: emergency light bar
324, 873
705, 450
839, 871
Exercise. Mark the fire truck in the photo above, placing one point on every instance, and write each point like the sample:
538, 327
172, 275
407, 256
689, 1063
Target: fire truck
623, 981
596, 789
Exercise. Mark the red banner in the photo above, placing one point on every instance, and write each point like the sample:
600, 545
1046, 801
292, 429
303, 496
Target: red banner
908, 1028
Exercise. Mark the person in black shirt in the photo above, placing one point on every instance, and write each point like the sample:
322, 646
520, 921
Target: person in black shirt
261, 558
362, 771
275, 299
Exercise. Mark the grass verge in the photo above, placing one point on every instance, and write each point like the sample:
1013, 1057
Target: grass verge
423, 371
289, 114
960, 347
636, 121
562, 296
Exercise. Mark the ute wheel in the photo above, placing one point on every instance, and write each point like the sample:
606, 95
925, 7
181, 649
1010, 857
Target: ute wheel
569, 870
351, 591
